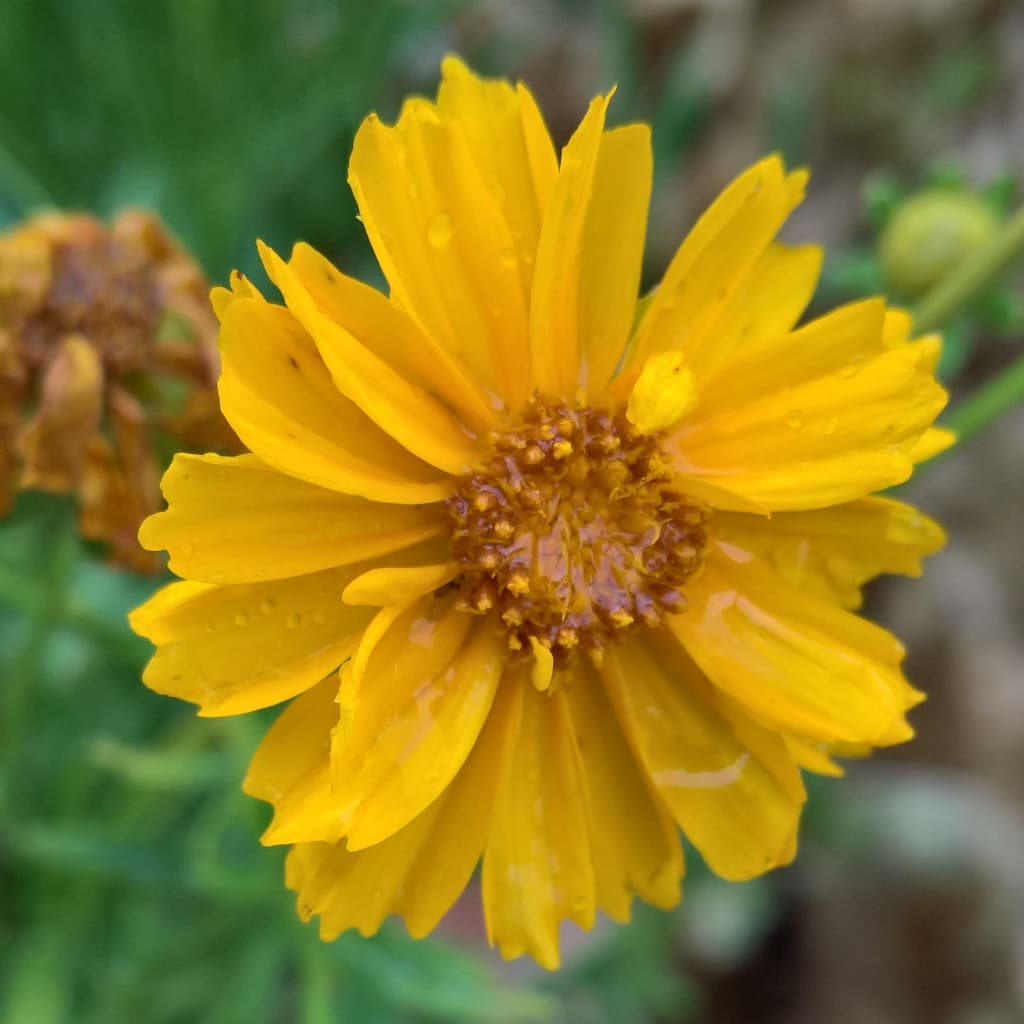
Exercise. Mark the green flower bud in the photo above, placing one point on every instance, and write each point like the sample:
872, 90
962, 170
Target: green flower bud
930, 235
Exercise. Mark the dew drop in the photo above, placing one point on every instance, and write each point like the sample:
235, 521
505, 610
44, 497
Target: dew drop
852, 368
832, 426
795, 419
186, 549
241, 619
268, 605
319, 618
440, 230
293, 621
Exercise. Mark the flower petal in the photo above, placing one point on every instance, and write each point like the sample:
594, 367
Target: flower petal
727, 802
420, 871
400, 585
815, 443
237, 648
932, 442
833, 552
236, 520
443, 243
537, 866
633, 840
424, 695
771, 301
54, 443
412, 416
393, 335
556, 303
291, 770
797, 663
278, 395
241, 288
716, 261
491, 115
612, 251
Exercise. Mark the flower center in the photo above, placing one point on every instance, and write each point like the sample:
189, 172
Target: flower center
571, 531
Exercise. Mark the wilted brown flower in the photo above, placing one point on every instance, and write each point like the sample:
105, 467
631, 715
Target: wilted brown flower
107, 356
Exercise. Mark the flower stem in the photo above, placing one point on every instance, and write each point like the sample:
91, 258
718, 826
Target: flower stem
951, 296
958, 289
988, 403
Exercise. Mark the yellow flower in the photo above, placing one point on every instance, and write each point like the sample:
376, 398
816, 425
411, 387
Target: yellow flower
586, 565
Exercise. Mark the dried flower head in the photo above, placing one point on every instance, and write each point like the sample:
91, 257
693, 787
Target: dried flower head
106, 335
587, 562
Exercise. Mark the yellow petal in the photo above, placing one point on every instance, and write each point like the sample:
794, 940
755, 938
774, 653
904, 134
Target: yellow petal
932, 442
555, 302
291, 770
816, 443
279, 397
490, 113
633, 840
237, 648
537, 866
814, 757
420, 871
716, 260
540, 150
241, 288
612, 251
424, 696
663, 394
798, 664
236, 520
833, 552
399, 585
387, 331
727, 802
414, 418
771, 301
444, 245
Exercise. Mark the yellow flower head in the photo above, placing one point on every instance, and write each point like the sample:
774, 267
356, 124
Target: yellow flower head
547, 573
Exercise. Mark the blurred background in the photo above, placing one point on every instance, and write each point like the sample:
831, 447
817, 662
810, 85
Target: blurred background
132, 884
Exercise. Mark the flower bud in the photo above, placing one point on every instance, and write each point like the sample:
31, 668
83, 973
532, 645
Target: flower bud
930, 235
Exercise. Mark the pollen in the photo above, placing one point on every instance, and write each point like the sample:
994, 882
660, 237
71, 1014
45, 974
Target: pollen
571, 530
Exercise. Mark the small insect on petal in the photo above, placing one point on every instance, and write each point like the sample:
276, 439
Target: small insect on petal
663, 394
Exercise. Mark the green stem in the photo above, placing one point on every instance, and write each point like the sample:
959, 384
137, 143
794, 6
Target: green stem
989, 402
957, 290
952, 296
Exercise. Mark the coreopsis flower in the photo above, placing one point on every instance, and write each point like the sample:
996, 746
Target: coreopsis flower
106, 334
549, 574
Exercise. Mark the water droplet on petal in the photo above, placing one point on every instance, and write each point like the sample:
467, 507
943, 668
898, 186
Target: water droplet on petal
268, 605
319, 618
832, 426
852, 368
293, 621
440, 230
241, 619
795, 419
